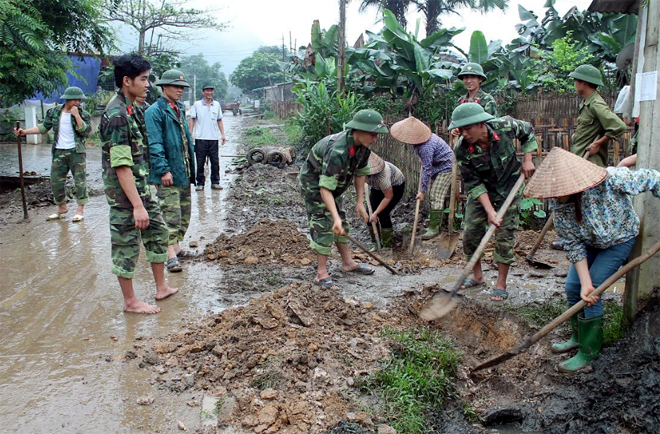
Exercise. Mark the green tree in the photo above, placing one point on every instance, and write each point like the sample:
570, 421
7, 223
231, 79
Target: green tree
433, 9
197, 66
258, 70
35, 38
397, 7
159, 21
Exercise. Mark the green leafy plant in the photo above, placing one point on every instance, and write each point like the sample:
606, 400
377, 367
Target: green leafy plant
416, 379
529, 210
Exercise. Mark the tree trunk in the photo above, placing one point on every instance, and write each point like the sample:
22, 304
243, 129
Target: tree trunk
341, 64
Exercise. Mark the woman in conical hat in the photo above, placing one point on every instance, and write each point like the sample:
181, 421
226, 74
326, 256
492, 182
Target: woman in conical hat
595, 216
387, 186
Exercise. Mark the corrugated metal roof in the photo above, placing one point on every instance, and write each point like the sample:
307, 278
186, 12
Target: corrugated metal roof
615, 6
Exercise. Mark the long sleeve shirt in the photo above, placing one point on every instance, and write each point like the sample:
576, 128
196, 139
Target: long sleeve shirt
495, 172
482, 98
608, 217
437, 157
594, 121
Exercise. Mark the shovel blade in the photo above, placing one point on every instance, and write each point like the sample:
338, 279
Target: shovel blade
447, 244
538, 262
440, 305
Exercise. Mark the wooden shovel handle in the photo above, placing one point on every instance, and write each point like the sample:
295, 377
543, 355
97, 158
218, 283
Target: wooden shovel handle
373, 255
373, 224
419, 202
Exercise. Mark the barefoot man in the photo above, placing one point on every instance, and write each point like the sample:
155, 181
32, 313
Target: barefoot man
134, 214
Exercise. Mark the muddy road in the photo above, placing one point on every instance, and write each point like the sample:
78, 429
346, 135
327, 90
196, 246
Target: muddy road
277, 354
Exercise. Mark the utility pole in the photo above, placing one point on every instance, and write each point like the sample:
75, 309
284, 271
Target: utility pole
290, 41
341, 64
283, 50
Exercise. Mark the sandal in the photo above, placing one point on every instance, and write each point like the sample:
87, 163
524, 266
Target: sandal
185, 254
173, 265
77, 218
361, 269
327, 283
56, 216
471, 283
499, 292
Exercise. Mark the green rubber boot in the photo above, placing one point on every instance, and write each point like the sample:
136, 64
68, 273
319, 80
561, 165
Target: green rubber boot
374, 244
590, 335
435, 221
570, 344
387, 238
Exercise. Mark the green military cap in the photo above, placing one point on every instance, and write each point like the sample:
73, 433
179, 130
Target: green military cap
172, 77
472, 69
208, 86
73, 92
368, 120
587, 73
468, 114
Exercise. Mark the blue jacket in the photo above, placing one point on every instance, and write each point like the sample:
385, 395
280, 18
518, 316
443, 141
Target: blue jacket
165, 144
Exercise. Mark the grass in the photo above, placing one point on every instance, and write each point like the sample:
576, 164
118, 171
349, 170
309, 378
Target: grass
416, 379
541, 314
257, 136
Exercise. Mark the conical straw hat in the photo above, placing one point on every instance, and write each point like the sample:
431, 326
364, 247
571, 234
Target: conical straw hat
411, 131
376, 164
562, 174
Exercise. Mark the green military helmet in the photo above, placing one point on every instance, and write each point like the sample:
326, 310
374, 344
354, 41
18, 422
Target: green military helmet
368, 120
73, 92
468, 114
587, 73
208, 86
172, 77
472, 69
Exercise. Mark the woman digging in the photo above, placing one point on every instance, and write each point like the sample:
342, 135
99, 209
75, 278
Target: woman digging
387, 186
595, 216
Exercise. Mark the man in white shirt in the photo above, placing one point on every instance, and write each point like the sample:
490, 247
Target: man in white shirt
70, 125
207, 128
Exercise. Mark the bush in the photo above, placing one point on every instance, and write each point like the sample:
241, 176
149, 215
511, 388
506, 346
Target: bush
323, 113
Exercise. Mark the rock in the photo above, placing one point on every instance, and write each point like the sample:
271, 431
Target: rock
268, 394
145, 400
193, 244
165, 347
305, 261
350, 416
268, 415
250, 421
150, 357
368, 306
561, 272
211, 257
181, 426
260, 429
251, 260
385, 429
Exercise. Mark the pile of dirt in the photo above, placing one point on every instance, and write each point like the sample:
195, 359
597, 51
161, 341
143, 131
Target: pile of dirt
268, 242
37, 195
286, 363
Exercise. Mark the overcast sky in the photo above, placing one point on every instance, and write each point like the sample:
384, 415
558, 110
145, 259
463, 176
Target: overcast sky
253, 23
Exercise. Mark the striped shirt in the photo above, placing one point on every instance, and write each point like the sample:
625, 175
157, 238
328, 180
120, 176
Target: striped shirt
389, 177
436, 156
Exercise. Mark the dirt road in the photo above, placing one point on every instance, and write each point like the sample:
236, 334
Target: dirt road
62, 323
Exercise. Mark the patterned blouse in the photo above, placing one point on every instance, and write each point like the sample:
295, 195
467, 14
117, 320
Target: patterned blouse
436, 156
608, 217
389, 177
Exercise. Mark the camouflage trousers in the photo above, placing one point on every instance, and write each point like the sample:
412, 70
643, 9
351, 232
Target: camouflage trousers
175, 206
438, 190
320, 226
126, 239
65, 160
476, 225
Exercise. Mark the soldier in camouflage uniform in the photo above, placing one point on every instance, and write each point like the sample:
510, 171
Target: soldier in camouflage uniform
70, 125
172, 162
332, 164
473, 75
486, 156
134, 214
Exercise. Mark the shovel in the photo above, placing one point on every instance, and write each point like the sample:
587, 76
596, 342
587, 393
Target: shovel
419, 202
443, 303
373, 224
570, 312
448, 241
546, 228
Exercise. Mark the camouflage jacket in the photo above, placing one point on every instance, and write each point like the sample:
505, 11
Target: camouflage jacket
497, 171
332, 164
484, 99
124, 144
52, 121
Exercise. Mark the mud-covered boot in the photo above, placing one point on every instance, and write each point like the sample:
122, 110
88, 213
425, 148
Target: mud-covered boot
590, 336
387, 238
570, 344
435, 220
374, 243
